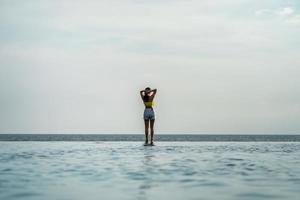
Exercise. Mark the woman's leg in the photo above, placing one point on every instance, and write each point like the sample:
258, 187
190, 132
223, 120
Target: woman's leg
152, 129
146, 130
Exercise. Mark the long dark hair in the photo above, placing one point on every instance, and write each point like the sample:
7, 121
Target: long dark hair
146, 96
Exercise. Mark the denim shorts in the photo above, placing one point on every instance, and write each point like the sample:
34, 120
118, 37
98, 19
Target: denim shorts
149, 114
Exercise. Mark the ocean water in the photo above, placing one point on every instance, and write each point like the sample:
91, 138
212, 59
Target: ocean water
158, 137
170, 170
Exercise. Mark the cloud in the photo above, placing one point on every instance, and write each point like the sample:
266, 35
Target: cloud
263, 12
294, 19
282, 12
285, 14
286, 11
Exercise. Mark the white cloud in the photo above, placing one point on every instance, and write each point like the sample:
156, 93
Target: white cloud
294, 19
285, 14
286, 11
282, 12
263, 12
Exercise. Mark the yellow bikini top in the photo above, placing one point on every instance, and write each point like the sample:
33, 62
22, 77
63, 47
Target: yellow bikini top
149, 103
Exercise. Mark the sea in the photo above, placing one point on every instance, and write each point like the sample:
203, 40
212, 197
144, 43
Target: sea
179, 166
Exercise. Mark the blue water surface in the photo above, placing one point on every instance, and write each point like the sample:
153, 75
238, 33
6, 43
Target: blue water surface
169, 170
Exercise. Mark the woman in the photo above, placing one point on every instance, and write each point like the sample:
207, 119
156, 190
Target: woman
149, 116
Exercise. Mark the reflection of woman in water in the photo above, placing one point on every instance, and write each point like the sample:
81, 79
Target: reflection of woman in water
149, 116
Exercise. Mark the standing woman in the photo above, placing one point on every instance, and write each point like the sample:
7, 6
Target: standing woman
149, 116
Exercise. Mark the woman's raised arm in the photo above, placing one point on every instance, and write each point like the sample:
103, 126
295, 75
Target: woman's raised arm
154, 92
141, 93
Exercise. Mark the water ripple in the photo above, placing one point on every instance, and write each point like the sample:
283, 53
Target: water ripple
57, 170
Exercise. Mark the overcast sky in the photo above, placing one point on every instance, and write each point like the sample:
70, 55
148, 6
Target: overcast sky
219, 66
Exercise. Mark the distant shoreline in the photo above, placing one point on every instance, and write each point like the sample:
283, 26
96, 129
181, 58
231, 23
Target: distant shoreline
158, 137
